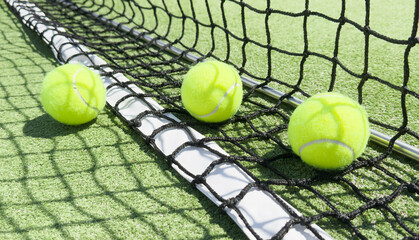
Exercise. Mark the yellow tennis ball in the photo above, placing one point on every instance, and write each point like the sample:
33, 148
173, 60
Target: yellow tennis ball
328, 131
73, 94
212, 91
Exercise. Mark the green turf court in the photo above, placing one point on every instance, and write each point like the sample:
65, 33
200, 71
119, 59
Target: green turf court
103, 181
98, 181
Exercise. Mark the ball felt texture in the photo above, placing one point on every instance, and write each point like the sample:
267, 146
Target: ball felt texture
73, 94
212, 91
328, 131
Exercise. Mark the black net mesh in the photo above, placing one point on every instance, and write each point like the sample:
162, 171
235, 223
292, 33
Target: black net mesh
378, 191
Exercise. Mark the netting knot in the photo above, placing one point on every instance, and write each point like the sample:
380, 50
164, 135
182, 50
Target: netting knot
413, 187
229, 203
344, 218
199, 179
367, 29
412, 41
379, 202
302, 220
132, 123
366, 76
148, 139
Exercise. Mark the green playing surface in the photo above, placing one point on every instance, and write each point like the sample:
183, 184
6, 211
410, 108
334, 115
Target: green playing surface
102, 181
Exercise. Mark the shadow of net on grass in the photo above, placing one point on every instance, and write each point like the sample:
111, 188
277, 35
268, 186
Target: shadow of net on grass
377, 196
91, 181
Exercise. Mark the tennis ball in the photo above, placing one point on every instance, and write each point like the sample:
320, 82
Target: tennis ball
212, 91
328, 131
73, 94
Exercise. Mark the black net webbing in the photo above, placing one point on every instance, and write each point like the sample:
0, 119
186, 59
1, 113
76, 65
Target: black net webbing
376, 196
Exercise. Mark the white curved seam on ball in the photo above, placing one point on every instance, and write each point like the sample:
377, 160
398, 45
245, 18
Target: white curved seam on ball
219, 103
78, 93
329, 141
332, 95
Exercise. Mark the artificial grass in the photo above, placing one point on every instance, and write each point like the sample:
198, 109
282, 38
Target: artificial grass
391, 19
95, 181
74, 151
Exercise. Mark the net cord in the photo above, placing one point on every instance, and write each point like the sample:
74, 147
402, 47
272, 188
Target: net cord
376, 136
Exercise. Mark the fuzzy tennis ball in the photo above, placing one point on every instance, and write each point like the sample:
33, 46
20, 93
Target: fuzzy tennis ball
73, 94
328, 131
212, 91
